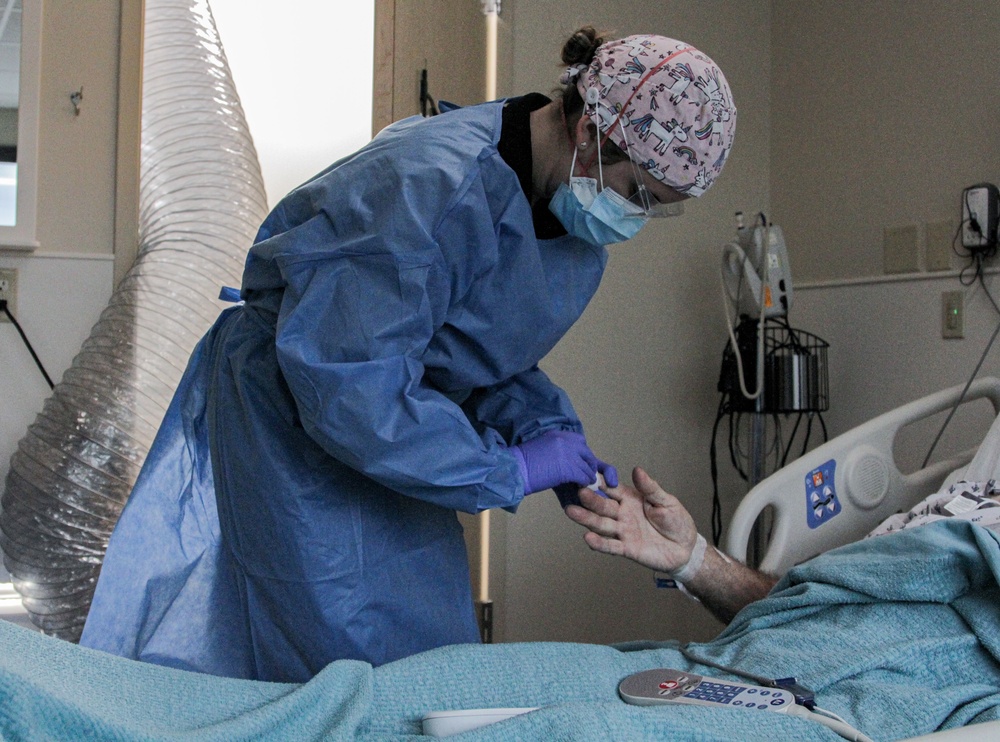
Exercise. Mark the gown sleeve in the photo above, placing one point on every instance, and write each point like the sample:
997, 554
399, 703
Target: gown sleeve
350, 333
523, 407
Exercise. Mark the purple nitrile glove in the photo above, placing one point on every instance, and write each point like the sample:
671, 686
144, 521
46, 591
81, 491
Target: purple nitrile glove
609, 473
553, 458
568, 493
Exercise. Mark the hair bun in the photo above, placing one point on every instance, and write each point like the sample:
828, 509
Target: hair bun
581, 46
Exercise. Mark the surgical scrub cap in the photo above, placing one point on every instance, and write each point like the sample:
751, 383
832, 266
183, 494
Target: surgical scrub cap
673, 101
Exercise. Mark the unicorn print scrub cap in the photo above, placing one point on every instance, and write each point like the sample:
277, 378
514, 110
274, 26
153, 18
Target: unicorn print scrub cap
666, 104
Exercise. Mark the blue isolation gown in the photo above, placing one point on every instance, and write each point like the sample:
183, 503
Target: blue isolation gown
298, 504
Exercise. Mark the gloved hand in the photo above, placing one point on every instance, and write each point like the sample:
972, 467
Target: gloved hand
559, 457
569, 494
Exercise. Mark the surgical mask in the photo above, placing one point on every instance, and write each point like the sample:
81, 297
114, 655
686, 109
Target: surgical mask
599, 218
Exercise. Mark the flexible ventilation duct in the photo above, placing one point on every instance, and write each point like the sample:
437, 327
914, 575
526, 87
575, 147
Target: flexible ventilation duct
201, 200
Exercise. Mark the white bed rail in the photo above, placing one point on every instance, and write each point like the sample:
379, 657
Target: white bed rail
838, 492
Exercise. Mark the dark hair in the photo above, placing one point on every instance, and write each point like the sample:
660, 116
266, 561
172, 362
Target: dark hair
580, 48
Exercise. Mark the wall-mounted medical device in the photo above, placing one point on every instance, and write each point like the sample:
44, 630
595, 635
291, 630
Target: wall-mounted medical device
980, 214
755, 271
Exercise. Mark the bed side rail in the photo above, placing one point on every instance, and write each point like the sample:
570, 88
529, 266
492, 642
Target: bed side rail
840, 491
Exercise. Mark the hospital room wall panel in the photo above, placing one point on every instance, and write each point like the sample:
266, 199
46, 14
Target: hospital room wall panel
641, 365
425, 38
886, 349
881, 113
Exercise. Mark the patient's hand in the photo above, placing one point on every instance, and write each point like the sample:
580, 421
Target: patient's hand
644, 523
652, 528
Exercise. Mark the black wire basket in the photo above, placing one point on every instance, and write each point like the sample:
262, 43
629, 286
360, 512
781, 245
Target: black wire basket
795, 370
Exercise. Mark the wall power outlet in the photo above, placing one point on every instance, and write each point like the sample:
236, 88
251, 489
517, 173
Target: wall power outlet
952, 314
8, 291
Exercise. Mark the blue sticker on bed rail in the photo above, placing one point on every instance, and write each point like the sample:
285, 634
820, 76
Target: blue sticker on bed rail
821, 496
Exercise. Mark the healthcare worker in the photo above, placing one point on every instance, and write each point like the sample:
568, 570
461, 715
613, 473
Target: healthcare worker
298, 504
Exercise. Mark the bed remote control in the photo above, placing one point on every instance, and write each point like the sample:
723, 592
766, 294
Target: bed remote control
654, 687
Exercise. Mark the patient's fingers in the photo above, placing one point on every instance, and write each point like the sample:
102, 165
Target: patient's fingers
592, 521
604, 545
601, 505
651, 491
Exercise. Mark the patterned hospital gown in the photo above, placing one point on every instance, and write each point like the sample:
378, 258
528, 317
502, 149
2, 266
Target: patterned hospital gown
978, 502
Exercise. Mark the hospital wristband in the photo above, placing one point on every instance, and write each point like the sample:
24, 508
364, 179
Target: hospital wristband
694, 562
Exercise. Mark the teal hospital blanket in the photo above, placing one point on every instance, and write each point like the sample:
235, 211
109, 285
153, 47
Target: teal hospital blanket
900, 635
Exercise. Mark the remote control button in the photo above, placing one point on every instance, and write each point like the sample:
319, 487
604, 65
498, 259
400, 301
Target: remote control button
751, 705
777, 701
668, 684
765, 692
751, 691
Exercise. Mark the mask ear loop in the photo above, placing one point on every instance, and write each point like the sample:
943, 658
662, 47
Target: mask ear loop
592, 101
600, 167
640, 185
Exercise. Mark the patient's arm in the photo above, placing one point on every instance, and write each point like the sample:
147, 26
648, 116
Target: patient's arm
651, 527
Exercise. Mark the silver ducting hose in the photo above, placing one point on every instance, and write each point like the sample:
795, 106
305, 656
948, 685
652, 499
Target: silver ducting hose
201, 201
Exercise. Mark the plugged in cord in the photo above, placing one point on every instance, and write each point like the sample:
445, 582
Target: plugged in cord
805, 700
975, 371
976, 258
989, 247
976, 255
830, 721
27, 343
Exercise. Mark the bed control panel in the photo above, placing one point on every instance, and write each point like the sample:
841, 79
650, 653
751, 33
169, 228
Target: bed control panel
653, 687
821, 495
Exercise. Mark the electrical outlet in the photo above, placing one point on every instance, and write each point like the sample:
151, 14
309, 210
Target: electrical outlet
8, 291
952, 314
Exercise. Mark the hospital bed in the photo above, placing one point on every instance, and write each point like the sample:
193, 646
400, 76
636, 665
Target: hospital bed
840, 491
883, 674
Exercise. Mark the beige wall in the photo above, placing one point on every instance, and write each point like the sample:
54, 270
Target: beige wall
881, 112
76, 162
445, 37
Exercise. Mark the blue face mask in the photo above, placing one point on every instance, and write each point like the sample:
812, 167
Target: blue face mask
598, 218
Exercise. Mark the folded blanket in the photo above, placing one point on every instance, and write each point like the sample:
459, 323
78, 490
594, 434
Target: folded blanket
899, 635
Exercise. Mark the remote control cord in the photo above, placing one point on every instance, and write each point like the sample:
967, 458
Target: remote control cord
803, 695
839, 726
